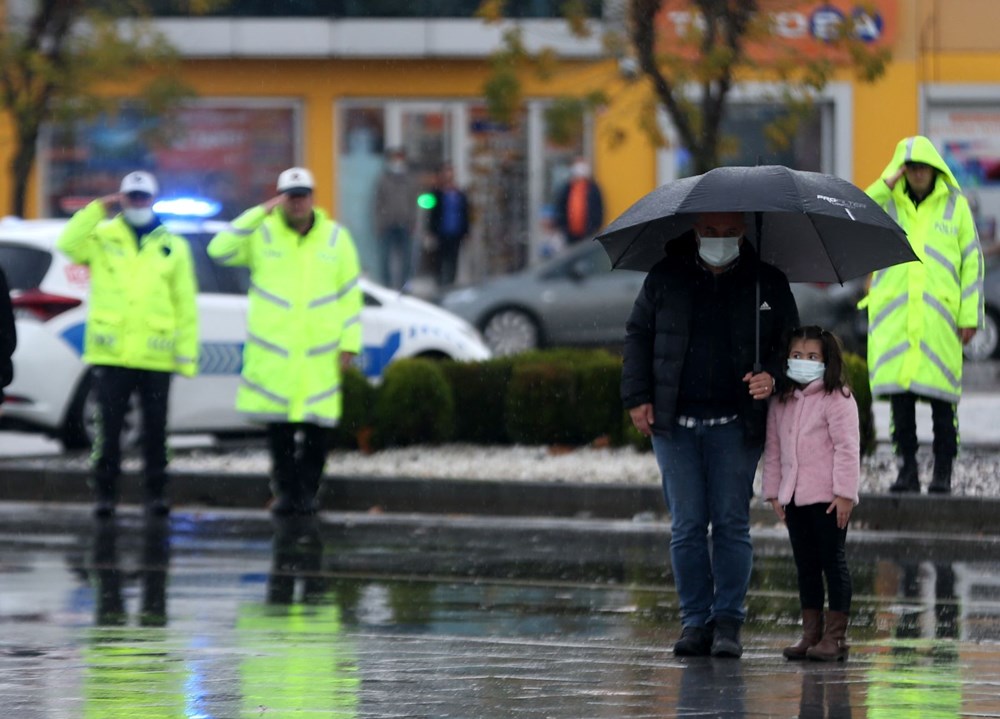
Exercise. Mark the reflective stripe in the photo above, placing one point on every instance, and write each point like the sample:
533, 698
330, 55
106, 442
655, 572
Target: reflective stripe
274, 299
263, 392
334, 235
943, 261
934, 302
876, 278
352, 321
323, 349
886, 311
323, 395
266, 234
949, 209
890, 210
335, 296
936, 361
890, 355
184, 360
969, 249
241, 231
934, 392
909, 149
269, 346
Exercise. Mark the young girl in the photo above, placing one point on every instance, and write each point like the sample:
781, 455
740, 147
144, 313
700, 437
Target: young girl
811, 473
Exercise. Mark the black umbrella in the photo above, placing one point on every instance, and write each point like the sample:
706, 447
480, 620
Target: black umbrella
811, 226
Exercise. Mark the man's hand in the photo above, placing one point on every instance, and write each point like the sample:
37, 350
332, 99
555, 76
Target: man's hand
346, 360
642, 418
761, 385
111, 202
966, 334
778, 509
842, 506
272, 203
892, 179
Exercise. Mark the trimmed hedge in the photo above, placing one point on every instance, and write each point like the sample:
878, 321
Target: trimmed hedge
413, 405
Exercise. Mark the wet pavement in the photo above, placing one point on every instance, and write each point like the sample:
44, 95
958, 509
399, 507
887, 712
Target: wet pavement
218, 614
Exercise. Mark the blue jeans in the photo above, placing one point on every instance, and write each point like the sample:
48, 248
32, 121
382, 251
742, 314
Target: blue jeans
397, 256
708, 474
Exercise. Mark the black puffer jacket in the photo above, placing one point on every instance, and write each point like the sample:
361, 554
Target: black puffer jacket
657, 333
8, 335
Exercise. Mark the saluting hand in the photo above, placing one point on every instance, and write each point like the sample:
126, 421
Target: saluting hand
111, 202
272, 203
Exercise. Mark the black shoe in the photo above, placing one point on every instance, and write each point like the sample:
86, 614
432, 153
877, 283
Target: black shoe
907, 480
284, 506
694, 642
726, 642
158, 507
941, 479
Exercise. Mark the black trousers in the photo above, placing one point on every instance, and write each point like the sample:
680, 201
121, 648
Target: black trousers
818, 548
944, 419
114, 387
298, 453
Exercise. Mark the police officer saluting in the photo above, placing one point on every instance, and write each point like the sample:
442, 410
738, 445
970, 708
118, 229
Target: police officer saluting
142, 326
303, 330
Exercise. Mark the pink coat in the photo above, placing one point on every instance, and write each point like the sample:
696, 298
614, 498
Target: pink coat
813, 448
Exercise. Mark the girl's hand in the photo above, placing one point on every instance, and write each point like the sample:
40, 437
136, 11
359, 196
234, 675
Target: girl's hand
778, 509
842, 506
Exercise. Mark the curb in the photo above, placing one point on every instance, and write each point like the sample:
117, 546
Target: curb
402, 495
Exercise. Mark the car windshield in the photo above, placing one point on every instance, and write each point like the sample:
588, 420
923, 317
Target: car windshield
584, 261
24, 266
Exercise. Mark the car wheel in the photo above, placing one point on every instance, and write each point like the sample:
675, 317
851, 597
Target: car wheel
511, 331
80, 426
986, 344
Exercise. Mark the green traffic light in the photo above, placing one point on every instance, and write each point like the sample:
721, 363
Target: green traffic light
426, 201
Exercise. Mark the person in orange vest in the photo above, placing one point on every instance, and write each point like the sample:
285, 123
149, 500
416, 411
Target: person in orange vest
579, 204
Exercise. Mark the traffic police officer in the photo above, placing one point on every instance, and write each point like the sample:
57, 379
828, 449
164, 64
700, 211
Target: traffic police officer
303, 329
142, 326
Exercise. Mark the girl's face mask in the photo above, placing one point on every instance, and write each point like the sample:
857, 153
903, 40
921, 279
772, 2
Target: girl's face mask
805, 371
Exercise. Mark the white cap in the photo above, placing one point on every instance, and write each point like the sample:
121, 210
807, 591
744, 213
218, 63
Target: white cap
139, 182
295, 178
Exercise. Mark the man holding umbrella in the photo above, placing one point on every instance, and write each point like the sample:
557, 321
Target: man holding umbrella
693, 382
920, 314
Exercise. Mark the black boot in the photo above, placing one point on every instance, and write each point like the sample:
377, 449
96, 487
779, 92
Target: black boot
106, 495
155, 499
941, 479
907, 480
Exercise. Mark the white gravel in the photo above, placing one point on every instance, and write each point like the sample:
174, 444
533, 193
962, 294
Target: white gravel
977, 469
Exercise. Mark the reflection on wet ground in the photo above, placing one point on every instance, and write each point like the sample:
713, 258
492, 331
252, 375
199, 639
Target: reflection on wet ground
231, 615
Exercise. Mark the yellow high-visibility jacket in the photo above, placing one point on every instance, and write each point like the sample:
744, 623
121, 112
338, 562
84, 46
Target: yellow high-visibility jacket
304, 311
143, 309
916, 309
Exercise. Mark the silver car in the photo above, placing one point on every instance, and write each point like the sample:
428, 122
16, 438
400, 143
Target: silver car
575, 299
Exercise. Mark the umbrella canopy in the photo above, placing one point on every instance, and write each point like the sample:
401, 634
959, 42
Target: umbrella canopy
813, 227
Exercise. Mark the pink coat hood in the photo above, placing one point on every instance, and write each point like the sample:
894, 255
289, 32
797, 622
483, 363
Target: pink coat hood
813, 448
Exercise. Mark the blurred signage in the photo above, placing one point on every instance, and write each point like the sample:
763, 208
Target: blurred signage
799, 27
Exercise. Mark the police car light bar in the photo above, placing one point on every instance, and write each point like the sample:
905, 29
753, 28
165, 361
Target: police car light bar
193, 207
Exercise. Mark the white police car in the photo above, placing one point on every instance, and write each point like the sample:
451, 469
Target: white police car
51, 388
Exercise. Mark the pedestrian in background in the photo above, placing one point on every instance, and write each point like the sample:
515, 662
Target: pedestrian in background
448, 224
8, 335
812, 468
142, 326
395, 212
920, 314
579, 204
303, 330
688, 382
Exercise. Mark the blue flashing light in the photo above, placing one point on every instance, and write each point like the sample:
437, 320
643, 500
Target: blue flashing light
187, 207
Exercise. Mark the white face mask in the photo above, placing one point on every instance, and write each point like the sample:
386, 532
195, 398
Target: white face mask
138, 216
718, 251
805, 371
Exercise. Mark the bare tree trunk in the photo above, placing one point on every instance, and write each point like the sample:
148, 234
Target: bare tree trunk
21, 164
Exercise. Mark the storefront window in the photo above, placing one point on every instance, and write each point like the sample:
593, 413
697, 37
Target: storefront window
362, 144
746, 142
231, 155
